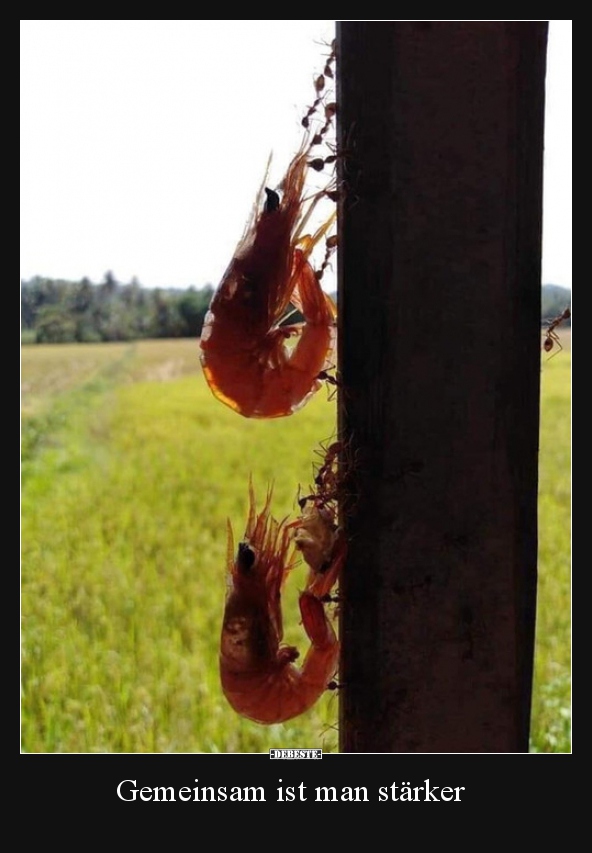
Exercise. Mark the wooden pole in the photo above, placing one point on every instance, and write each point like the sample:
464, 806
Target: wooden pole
441, 131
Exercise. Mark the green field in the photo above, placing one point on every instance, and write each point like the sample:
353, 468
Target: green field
130, 469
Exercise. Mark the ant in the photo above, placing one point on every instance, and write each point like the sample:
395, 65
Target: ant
330, 246
324, 376
319, 85
551, 336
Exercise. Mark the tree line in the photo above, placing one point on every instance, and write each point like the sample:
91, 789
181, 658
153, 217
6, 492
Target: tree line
554, 301
59, 311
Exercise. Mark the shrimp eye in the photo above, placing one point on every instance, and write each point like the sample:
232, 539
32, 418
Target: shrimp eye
273, 201
245, 557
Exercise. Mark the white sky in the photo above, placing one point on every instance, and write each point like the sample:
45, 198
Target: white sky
143, 143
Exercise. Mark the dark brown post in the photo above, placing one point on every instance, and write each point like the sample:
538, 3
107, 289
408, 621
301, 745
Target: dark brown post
441, 126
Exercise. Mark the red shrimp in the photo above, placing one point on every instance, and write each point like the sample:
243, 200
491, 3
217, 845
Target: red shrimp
257, 671
244, 353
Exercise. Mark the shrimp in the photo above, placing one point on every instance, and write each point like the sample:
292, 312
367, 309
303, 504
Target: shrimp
246, 359
323, 547
317, 534
257, 671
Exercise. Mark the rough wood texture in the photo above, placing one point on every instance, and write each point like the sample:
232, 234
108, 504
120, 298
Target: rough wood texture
441, 126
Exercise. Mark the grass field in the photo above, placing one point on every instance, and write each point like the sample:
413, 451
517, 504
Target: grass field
130, 469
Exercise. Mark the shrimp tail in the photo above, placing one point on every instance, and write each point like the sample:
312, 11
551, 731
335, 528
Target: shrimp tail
315, 622
321, 661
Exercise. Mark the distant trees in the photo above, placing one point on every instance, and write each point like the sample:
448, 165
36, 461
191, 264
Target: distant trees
554, 300
59, 311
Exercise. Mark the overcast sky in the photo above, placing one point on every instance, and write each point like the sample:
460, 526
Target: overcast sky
143, 143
